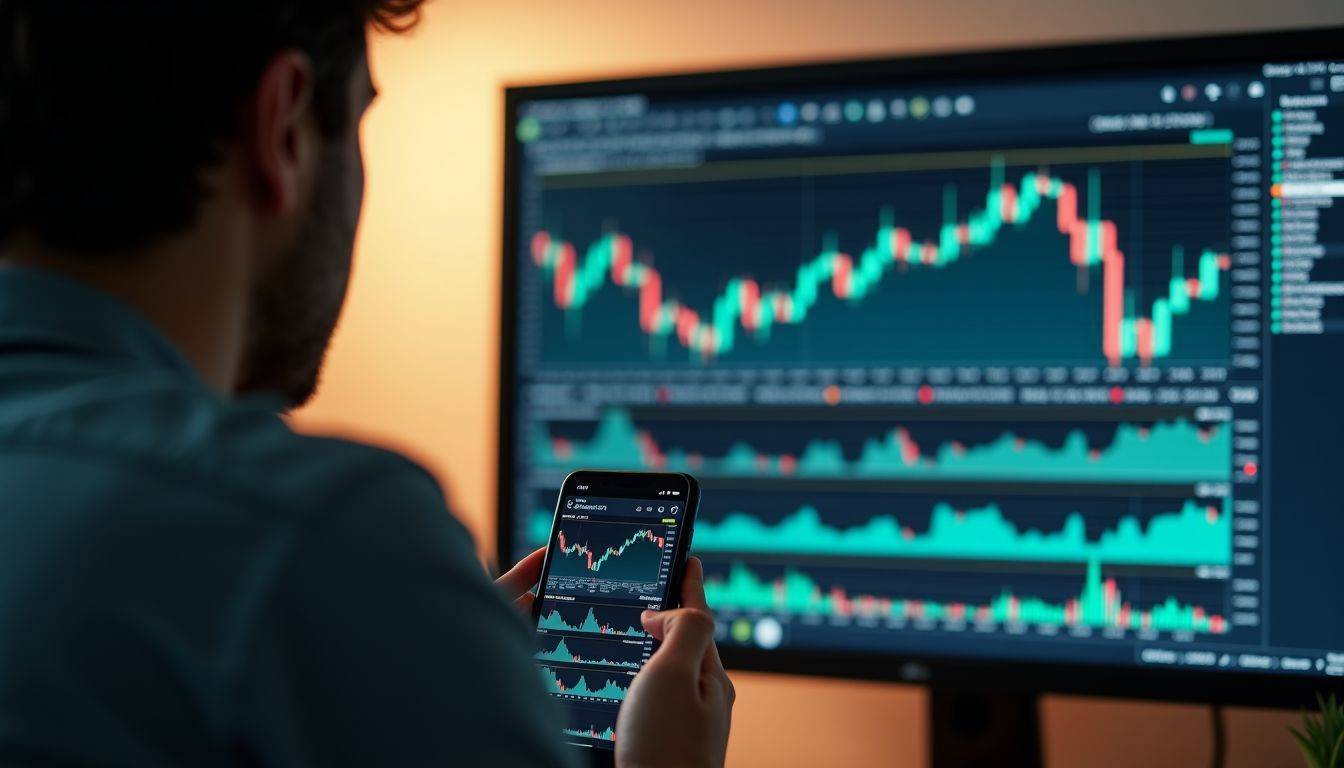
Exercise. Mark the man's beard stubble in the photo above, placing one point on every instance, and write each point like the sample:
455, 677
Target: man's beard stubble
296, 304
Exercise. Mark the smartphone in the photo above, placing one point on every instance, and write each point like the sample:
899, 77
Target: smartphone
617, 548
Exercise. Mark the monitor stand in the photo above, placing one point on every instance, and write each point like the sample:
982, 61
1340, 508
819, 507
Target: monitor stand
983, 728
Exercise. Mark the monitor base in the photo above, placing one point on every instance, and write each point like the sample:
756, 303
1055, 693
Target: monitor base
979, 729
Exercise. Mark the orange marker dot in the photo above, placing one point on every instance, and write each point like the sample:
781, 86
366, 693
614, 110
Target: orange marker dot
831, 394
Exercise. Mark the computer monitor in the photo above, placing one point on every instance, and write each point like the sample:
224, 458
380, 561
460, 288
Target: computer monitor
1020, 369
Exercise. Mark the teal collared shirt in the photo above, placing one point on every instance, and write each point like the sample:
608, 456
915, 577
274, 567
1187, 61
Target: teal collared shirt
186, 582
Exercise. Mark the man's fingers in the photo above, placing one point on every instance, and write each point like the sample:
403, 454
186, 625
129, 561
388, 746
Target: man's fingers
686, 635
718, 683
692, 597
693, 585
524, 603
523, 576
653, 623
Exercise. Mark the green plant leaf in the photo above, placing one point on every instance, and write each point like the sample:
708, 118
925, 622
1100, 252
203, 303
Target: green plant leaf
1308, 749
1321, 737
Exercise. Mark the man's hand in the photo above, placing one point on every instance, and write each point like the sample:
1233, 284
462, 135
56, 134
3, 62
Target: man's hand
679, 707
517, 584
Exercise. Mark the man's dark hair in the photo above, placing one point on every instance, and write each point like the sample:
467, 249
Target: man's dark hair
111, 111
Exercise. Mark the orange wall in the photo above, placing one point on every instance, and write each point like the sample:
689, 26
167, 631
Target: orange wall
413, 361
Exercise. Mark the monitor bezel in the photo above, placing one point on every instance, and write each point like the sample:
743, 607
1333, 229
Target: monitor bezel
950, 673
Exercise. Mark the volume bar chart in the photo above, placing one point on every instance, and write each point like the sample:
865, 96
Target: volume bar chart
1178, 450
1099, 604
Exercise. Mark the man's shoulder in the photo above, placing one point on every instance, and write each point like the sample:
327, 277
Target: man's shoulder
171, 432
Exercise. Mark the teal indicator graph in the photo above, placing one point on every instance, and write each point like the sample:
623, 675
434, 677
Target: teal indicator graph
1129, 330
608, 620
1175, 451
591, 732
1099, 604
589, 683
600, 653
1194, 534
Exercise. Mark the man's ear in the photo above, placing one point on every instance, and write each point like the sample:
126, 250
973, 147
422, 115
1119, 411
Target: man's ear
279, 131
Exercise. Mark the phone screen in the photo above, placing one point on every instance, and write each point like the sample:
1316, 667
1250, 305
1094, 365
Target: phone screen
617, 547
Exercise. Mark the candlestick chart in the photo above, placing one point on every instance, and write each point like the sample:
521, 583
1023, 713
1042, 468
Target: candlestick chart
609, 551
1031, 270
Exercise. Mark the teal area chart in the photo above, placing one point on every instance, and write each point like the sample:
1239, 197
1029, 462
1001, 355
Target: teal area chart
1175, 450
588, 651
1097, 603
609, 686
590, 724
1178, 532
1193, 534
607, 620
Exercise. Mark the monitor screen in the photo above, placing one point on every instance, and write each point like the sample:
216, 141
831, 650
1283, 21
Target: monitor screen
974, 360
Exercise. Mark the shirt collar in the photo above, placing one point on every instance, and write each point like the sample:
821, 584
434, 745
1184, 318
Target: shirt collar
40, 309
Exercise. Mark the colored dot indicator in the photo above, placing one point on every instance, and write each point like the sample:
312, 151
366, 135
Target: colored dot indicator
1117, 395
529, 129
742, 630
926, 395
1250, 469
831, 395
768, 633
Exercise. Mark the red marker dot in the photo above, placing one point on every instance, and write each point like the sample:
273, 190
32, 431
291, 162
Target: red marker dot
1250, 469
926, 394
1117, 395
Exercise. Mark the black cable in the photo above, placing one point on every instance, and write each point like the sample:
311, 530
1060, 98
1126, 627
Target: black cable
1219, 736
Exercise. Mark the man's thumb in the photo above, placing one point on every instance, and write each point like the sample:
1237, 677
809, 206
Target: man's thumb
686, 633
